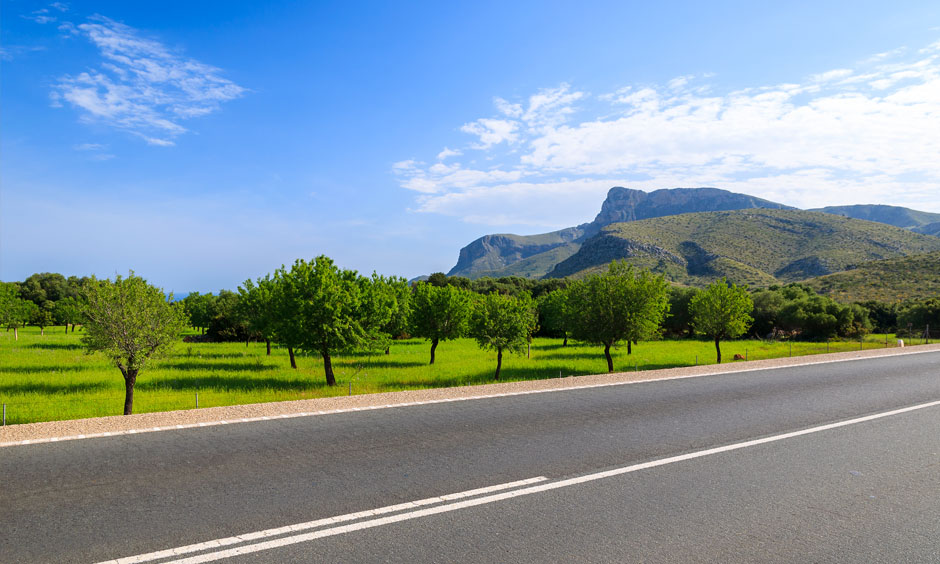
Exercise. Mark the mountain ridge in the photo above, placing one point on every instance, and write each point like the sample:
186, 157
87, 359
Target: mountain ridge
535, 256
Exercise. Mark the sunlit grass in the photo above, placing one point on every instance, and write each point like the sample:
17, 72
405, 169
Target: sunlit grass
46, 378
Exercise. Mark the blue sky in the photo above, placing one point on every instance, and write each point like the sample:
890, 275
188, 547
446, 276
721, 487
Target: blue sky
204, 143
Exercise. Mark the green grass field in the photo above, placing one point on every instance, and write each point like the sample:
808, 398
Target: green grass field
47, 378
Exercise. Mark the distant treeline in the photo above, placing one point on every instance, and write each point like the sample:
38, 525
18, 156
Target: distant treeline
792, 311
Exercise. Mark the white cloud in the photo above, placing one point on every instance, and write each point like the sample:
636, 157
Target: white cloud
142, 87
448, 153
491, 131
89, 147
42, 16
867, 134
506, 108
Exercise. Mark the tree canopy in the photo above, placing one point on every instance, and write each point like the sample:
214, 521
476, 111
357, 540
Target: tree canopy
439, 313
130, 322
621, 304
721, 311
503, 323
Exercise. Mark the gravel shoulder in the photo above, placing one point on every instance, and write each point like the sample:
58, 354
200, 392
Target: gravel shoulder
148, 422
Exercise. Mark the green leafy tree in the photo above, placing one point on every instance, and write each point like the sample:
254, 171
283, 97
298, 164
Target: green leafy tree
503, 323
439, 313
14, 311
256, 307
555, 316
199, 308
378, 303
68, 311
42, 316
131, 322
226, 321
915, 317
320, 310
398, 324
679, 322
721, 311
621, 304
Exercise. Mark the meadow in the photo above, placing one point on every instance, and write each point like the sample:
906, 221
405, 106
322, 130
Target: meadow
50, 377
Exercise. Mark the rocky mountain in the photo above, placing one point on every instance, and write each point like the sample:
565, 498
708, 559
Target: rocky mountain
892, 215
535, 255
758, 247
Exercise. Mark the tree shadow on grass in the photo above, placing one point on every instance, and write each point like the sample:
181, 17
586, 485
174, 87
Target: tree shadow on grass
218, 366
44, 369
367, 364
230, 383
55, 346
48, 388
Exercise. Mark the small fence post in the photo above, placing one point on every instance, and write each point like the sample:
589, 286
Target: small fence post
197, 400
4, 415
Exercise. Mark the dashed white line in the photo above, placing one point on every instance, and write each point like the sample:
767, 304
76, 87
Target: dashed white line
216, 543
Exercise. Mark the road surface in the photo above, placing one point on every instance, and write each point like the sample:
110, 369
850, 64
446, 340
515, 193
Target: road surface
835, 462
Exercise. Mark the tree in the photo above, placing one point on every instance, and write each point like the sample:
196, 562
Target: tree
678, 322
42, 316
555, 314
398, 324
379, 302
68, 311
721, 311
14, 311
226, 322
131, 322
439, 313
319, 310
619, 304
256, 307
199, 309
503, 323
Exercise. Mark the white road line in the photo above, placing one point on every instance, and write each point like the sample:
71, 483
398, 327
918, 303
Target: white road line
319, 523
446, 508
445, 400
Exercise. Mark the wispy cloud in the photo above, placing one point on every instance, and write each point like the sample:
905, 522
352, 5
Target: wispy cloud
42, 16
141, 86
868, 132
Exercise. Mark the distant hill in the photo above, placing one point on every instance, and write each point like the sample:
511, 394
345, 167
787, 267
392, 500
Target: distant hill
534, 256
915, 276
892, 215
758, 247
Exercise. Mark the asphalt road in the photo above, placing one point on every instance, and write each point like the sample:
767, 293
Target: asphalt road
866, 492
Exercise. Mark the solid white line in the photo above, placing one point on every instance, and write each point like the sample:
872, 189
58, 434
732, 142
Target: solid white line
318, 523
445, 400
446, 508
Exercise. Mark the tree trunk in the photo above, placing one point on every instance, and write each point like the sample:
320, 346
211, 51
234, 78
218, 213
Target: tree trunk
247, 340
42, 331
130, 378
610, 361
565, 344
433, 346
718, 349
73, 328
293, 362
388, 350
66, 328
629, 347
16, 335
499, 361
328, 369
268, 343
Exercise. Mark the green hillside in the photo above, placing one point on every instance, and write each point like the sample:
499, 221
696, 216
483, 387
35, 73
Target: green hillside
758, 247
916, 276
